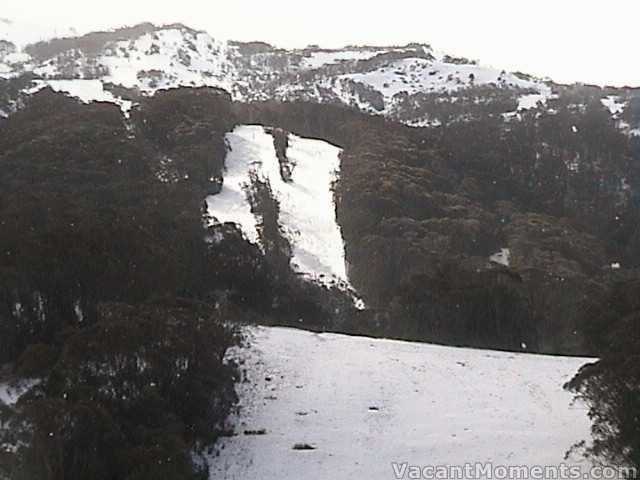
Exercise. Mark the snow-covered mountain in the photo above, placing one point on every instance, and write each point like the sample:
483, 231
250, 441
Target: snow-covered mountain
395, 81
324, 406
422, 220
413, 83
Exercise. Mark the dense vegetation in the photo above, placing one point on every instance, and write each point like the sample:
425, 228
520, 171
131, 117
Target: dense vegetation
116, 298
610, 385
423, 209
102, 281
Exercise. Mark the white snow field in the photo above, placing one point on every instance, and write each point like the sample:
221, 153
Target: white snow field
307, 209
363, 403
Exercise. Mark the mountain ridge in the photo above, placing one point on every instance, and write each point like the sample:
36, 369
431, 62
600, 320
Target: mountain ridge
407, 83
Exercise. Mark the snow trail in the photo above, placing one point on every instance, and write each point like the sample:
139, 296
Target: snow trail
307, 209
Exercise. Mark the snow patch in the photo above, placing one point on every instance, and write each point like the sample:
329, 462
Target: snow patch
86, 91
10, 393
502, 257
533, 100
614, 105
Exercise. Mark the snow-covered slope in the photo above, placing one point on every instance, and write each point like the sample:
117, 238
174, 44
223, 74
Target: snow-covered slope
405, 83
416, 75
365, 403
163, 59
307, 209
145, 59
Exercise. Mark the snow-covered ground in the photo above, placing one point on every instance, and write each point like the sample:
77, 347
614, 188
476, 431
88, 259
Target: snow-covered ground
363, 403
307, 209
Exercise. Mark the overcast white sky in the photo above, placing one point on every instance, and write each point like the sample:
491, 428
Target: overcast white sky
570, 40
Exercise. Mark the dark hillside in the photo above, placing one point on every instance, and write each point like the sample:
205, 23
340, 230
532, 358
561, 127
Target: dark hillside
423, 210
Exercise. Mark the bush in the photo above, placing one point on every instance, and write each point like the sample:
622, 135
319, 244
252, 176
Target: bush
611, 385
131, 396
